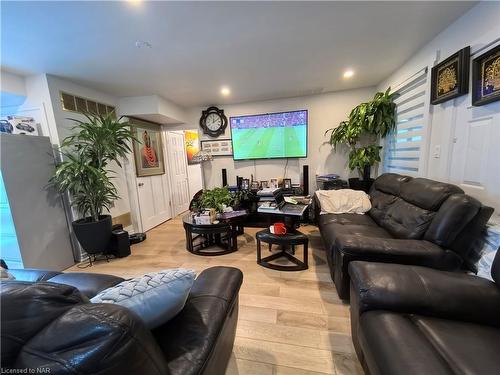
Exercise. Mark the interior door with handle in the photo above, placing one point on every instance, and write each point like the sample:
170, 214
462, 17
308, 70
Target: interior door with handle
154, 202
178, 172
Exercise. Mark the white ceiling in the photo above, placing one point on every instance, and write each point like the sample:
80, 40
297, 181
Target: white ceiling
261, 50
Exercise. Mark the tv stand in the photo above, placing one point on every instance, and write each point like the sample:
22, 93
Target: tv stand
263, 220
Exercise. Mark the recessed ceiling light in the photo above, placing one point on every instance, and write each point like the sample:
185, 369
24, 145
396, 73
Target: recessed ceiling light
143, 44
134, 2
348, 73
225, 91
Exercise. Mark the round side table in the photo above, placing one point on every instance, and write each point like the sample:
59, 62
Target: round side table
289, 240
224, 234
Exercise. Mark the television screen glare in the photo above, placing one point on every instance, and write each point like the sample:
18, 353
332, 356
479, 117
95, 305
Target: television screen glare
269, 136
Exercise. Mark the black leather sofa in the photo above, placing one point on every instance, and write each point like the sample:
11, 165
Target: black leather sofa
415, 320
412, 221
49, 324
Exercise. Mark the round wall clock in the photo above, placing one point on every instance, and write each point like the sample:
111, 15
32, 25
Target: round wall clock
213, 121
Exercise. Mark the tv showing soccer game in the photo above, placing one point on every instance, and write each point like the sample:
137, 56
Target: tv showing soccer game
269, 136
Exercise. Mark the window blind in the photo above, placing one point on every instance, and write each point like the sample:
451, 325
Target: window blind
404, 148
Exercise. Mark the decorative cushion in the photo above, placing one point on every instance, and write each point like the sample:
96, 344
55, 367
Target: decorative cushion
155, 297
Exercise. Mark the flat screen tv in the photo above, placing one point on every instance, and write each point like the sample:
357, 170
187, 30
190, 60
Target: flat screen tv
270, 135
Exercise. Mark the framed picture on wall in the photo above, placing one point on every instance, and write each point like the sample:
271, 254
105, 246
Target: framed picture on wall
148, 150
287, 183
450, 78
486, 77
245, 184
192, 146
219, 147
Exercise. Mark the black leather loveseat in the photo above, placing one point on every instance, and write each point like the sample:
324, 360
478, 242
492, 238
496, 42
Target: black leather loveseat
412, 221
415, 320
49, 324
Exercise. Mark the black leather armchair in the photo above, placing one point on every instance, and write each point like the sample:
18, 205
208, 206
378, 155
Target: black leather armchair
51, 326
412, 221
416, 320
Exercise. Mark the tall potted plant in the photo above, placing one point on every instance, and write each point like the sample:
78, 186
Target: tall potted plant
361, 133
85, 175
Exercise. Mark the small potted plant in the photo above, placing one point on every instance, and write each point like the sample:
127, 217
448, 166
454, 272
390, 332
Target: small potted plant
217, 198
85, 175
361, 133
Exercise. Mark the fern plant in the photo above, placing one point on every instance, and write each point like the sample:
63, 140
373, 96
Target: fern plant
375, 119
83, 173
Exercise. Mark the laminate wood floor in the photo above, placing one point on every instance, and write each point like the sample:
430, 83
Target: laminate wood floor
290, 323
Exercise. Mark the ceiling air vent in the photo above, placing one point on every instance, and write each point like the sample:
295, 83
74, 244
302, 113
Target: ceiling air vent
78, 104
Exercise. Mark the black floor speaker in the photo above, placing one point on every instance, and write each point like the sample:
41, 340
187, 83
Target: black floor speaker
305, 179
224, 177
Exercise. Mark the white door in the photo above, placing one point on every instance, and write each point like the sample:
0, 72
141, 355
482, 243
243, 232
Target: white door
178, 172
154, 200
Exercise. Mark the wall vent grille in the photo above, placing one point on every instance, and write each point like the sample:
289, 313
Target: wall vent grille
78, 104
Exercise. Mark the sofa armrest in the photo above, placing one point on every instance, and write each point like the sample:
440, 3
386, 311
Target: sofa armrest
199, 340
221, 282
393, 250
424, 291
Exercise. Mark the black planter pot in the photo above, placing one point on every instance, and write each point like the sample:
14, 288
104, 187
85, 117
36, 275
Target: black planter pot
357, 184
94, 236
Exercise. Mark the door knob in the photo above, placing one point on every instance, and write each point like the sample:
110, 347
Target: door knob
140, 184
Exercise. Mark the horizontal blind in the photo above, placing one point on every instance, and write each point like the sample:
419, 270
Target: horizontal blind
404, 147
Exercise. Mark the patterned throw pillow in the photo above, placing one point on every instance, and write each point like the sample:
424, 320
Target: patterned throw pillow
155, 297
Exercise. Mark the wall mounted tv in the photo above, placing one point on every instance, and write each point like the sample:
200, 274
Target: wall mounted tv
270, 135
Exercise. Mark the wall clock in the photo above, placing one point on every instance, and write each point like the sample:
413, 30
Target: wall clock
213, 121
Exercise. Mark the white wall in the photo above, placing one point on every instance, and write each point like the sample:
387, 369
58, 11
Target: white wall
467, 136
325, 111
153, 108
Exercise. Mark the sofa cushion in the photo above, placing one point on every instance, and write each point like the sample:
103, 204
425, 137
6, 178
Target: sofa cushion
155, 297
380, 204
346, 219
468, 348
331, 225
88, 283
390, 183
53, 327
431, 345
427, 194
27, 308
393, 345
405, 220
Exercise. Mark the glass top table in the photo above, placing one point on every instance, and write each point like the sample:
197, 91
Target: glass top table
218, 238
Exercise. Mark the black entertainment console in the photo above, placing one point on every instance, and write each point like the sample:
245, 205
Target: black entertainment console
263, 220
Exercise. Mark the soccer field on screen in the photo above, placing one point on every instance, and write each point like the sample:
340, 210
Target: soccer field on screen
271, 142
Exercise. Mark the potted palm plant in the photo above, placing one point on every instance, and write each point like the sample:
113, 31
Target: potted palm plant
361, 133
84, 173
